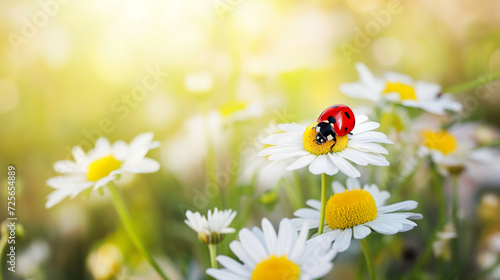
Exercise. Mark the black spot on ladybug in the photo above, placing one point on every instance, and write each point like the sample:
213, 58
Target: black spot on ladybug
347, 115
345, 130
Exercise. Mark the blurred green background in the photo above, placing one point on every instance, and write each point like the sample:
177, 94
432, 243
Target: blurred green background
192, 70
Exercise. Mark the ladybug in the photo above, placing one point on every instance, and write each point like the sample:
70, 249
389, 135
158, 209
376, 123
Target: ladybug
335, 120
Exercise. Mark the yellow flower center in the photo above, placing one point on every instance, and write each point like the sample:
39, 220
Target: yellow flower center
405, 91
440, 140
276, 268
309, 141
231, 108
350, 208
102, 167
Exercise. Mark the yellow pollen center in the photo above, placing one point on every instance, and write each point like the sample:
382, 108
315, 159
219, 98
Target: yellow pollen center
309, 142
350, 208
276, 268
440, 140
102, 167
405, 91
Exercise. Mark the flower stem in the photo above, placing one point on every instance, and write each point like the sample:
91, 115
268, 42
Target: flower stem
368, 258
455, 205
480, 81
456, 223
323, 204
213, 253
131, 229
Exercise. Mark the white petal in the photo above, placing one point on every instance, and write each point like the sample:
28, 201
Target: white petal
284, 238
368, 147
55, 197
364, 127
279, 150
223, 274
343, 241
301, 162
299, 244
289, 155
358, 90
146, 165
307, 213
241, 253
319, 165
361, 137
427, 91
361, 119
292, 127
234, 266
270, 238
404, 205
353, 156
344, 166
398, 77
66, 166
366, 75
361, 231
252, 245
337, 187
353, 184
359, 157
283, 139
68, 181
382, 227
316, 204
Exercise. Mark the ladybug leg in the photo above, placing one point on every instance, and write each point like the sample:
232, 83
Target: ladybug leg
350, 133
335, 142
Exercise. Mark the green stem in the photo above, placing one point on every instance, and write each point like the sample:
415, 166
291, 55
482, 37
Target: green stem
482, 80
323, 204
368, 258
456, 223
439, 193
213, 254
455, 205
131, 229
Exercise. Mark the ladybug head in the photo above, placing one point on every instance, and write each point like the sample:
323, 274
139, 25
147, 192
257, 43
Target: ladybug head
324, 133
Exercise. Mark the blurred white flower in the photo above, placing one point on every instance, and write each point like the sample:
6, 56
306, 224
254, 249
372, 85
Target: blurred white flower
267, 255
441, 246
100, 166
402, 89
456, 149
31, 258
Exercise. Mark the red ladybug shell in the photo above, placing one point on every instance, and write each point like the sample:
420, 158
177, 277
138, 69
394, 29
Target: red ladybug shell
344, 117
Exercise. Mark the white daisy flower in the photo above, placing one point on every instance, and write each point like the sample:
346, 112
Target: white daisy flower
355, 212
101, 165
211, 230
267, 255
400, 88
299, 142
454, 150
